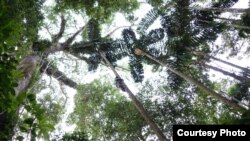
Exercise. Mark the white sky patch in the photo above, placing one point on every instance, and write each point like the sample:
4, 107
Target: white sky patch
241, 4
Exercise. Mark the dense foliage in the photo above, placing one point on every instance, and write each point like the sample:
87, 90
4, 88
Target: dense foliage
181, 34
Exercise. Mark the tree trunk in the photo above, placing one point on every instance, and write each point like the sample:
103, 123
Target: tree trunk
138, 105
231, 10
228, 19
231, 25
55, 47
240, 78
58, 75
230, 64
200, 85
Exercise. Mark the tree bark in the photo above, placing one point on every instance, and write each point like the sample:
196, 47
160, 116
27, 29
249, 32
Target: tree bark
200, 85
228, 19
231, 25
231, 10
27, 67
53, 71
55, 47
240, 78
230, 64
138, 105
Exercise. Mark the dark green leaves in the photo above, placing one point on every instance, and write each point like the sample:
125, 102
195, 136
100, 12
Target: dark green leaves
136, 68
245, 33
135, 64
129, 37
75, 136
225, 3
95, 60
101, 10
93, 30
148, 20
101, 110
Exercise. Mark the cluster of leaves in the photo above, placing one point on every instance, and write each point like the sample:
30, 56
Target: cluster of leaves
8, 104
114, 49
186, 106
19, 24
183, 32
75, 136
36, 120
105, 115
246, 22
101, 10
240, 91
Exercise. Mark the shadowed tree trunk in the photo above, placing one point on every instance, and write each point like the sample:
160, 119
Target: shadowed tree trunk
230, 25
55, 47
53, 71
237, 77
137, 104
209, 91
231, 10
230, 64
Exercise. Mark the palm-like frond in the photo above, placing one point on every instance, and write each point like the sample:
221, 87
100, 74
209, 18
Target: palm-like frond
153, 36
182, 30
129, 37
93, 30
148, 20
136, 68
246, 22
224, 3
152, 42
115, 51
94, 61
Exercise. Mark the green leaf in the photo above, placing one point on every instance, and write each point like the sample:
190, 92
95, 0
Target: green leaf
29, 121
20, 97
20, 138
23, 128
31, 97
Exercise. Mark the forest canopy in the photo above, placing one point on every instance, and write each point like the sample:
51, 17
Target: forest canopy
124, 70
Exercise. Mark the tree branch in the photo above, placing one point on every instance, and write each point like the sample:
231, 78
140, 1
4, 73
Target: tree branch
71, 39
204, 88
58, 36
57, 74
62, 46
137, 104
109, 34
90, 61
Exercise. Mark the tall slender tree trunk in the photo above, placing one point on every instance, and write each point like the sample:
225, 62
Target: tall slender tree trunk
231, 103
231, 10
222, 61
138, 105
228, 19
230, 64
231, 25
240, 78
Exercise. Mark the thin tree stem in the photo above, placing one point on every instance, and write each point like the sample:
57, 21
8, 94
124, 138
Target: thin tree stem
231, 25
230, 64
199, 85
231, 10
138, 105
240, 78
